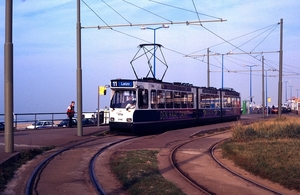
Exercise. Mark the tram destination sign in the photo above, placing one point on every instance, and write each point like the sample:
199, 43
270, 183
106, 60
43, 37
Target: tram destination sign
121, 83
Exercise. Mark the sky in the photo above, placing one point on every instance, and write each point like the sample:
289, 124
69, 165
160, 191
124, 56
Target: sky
45, 61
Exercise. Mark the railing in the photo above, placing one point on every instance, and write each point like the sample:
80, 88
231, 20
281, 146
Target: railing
22, 120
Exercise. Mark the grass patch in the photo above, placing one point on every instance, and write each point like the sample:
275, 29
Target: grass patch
7, 170
138, 172
269, 149
100, 134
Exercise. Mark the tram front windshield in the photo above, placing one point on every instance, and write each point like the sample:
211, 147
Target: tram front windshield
121, 99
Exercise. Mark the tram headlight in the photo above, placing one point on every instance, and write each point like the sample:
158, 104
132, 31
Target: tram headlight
112, 119
129, 120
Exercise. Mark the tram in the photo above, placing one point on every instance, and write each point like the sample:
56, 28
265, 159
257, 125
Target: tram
149, 105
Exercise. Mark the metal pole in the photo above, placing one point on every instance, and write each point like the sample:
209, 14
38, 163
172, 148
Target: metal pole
291, 91
280, 69
267, 93
208, 78
154, 47
98, 115
79, 74
250, 102
263, 89
251, 85
286, 90
222, 71
197, 22
8, 81
297, 93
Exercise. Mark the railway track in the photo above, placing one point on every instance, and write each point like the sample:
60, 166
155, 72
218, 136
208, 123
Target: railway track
77, 179
203, 185
202, 189
37, 181
211, 151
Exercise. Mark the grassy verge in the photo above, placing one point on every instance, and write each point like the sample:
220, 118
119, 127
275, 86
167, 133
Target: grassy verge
138, 172
7, 170
269, 149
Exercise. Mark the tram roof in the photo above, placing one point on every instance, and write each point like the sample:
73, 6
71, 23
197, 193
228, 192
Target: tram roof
154, 80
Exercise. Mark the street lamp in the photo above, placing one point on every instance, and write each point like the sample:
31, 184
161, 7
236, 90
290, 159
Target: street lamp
267, 92
250, 66
291, 92
222, 86
267, 89
154, 45
286, 99
297, 93
222, 71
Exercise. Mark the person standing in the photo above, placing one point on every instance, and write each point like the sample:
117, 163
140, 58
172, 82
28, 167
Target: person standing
71, 112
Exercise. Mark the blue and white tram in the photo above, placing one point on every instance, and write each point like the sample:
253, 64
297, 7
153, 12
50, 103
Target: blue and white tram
147, 106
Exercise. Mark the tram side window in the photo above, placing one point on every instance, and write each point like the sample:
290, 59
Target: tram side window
233, 101
143, 98
169, 99
190, 100
216, 101
177, 99
230, 102
236, 102
227, 101
153, 99
184, 100
161, 99
205, 100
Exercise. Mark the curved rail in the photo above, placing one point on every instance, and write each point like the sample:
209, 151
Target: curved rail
185, 175
37, 171
40, 167
237, 174
93, 177
212, 148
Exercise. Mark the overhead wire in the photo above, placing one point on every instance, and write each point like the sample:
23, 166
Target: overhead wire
236, 47
116, 12
185, 9
221, 63
172, 50
196, 12
129, 22
147, 11
286, 64
234, 62
256, 37
262, 40
244, 35
203, 61
111, 27
286, 70
95, 13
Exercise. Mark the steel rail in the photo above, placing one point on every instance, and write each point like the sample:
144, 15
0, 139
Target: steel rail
31, 181
237, 174
209, 133
93, 177
185, 175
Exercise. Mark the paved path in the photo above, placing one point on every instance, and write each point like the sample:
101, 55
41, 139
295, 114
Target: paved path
60, 137
27, 139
